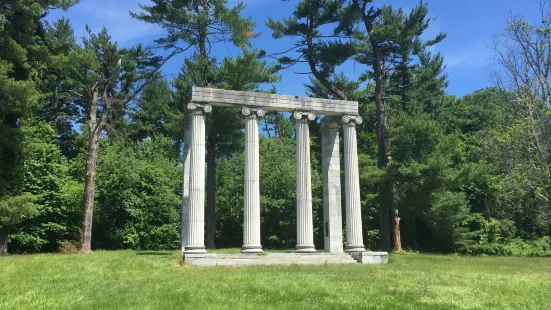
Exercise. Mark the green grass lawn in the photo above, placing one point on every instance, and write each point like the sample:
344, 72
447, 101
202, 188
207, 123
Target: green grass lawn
157, 280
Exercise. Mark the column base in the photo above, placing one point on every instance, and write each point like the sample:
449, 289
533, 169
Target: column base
195, 249
305, 248
251, 249
355, 248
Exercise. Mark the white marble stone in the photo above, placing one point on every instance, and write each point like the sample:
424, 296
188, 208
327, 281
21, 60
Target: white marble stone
331, 170
305, 222
211, 260
354, 237
273, 102
251, 224
370, 258
196, 227
185, 183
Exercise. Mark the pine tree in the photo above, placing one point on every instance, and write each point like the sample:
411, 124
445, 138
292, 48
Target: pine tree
390, 37
22, 58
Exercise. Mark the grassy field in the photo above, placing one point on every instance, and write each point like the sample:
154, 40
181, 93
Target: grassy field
157, 280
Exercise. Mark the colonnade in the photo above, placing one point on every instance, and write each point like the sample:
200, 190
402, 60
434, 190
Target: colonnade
193, 215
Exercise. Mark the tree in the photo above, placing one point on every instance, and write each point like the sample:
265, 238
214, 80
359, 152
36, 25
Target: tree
106, 78
137, 195
57, 98
158, 112
321, 52
13, 210
22, 40
524, 54
45, 176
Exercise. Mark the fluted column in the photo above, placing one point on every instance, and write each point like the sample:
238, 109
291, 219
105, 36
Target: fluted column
251, 216
196, 226
185, 182
354, 237
305, 223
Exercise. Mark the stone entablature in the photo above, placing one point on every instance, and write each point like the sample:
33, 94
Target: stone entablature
220, 97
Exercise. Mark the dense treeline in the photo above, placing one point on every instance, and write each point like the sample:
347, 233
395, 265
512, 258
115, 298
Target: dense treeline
93, 137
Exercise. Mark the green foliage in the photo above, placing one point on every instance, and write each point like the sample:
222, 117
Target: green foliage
46, 175
277, 200
497, 237
157, 113
193, 21
15, 209
138, 196
18, 99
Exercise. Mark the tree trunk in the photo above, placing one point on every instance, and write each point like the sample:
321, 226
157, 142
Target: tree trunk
90, 178
384, 217
211, 195
4, 233
397, 237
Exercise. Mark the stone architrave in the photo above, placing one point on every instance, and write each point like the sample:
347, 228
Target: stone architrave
305, 224
196, 225
354, 237
331, 170
251, 213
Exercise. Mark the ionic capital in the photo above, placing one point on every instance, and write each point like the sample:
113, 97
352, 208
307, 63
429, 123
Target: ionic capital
200, 107
304, 116
352, 120
253, 112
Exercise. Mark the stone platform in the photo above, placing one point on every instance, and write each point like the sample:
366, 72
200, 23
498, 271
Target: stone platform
210, 259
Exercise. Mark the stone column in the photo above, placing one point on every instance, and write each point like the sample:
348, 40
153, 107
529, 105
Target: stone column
251, 216
305, 224
196, 228
354, 237
331, 170
185, 181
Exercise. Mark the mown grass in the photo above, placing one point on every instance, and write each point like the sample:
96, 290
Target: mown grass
157, 280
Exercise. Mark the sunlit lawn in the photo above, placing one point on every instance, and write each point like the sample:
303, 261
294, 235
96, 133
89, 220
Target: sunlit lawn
157, 280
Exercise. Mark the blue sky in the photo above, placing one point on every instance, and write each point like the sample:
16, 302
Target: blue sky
470, 24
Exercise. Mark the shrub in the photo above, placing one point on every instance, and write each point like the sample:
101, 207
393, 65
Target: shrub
68, 247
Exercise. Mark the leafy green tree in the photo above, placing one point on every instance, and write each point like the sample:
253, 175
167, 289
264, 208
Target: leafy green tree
14, 210
46, 177
523, 51
138, 188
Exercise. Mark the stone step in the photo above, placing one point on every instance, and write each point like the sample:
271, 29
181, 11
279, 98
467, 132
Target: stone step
212, 259
274, 255
246, 262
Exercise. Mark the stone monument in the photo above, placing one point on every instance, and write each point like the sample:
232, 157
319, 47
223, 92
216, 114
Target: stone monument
304, 110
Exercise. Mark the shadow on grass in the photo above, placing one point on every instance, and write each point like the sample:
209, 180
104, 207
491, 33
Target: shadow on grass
154, 253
